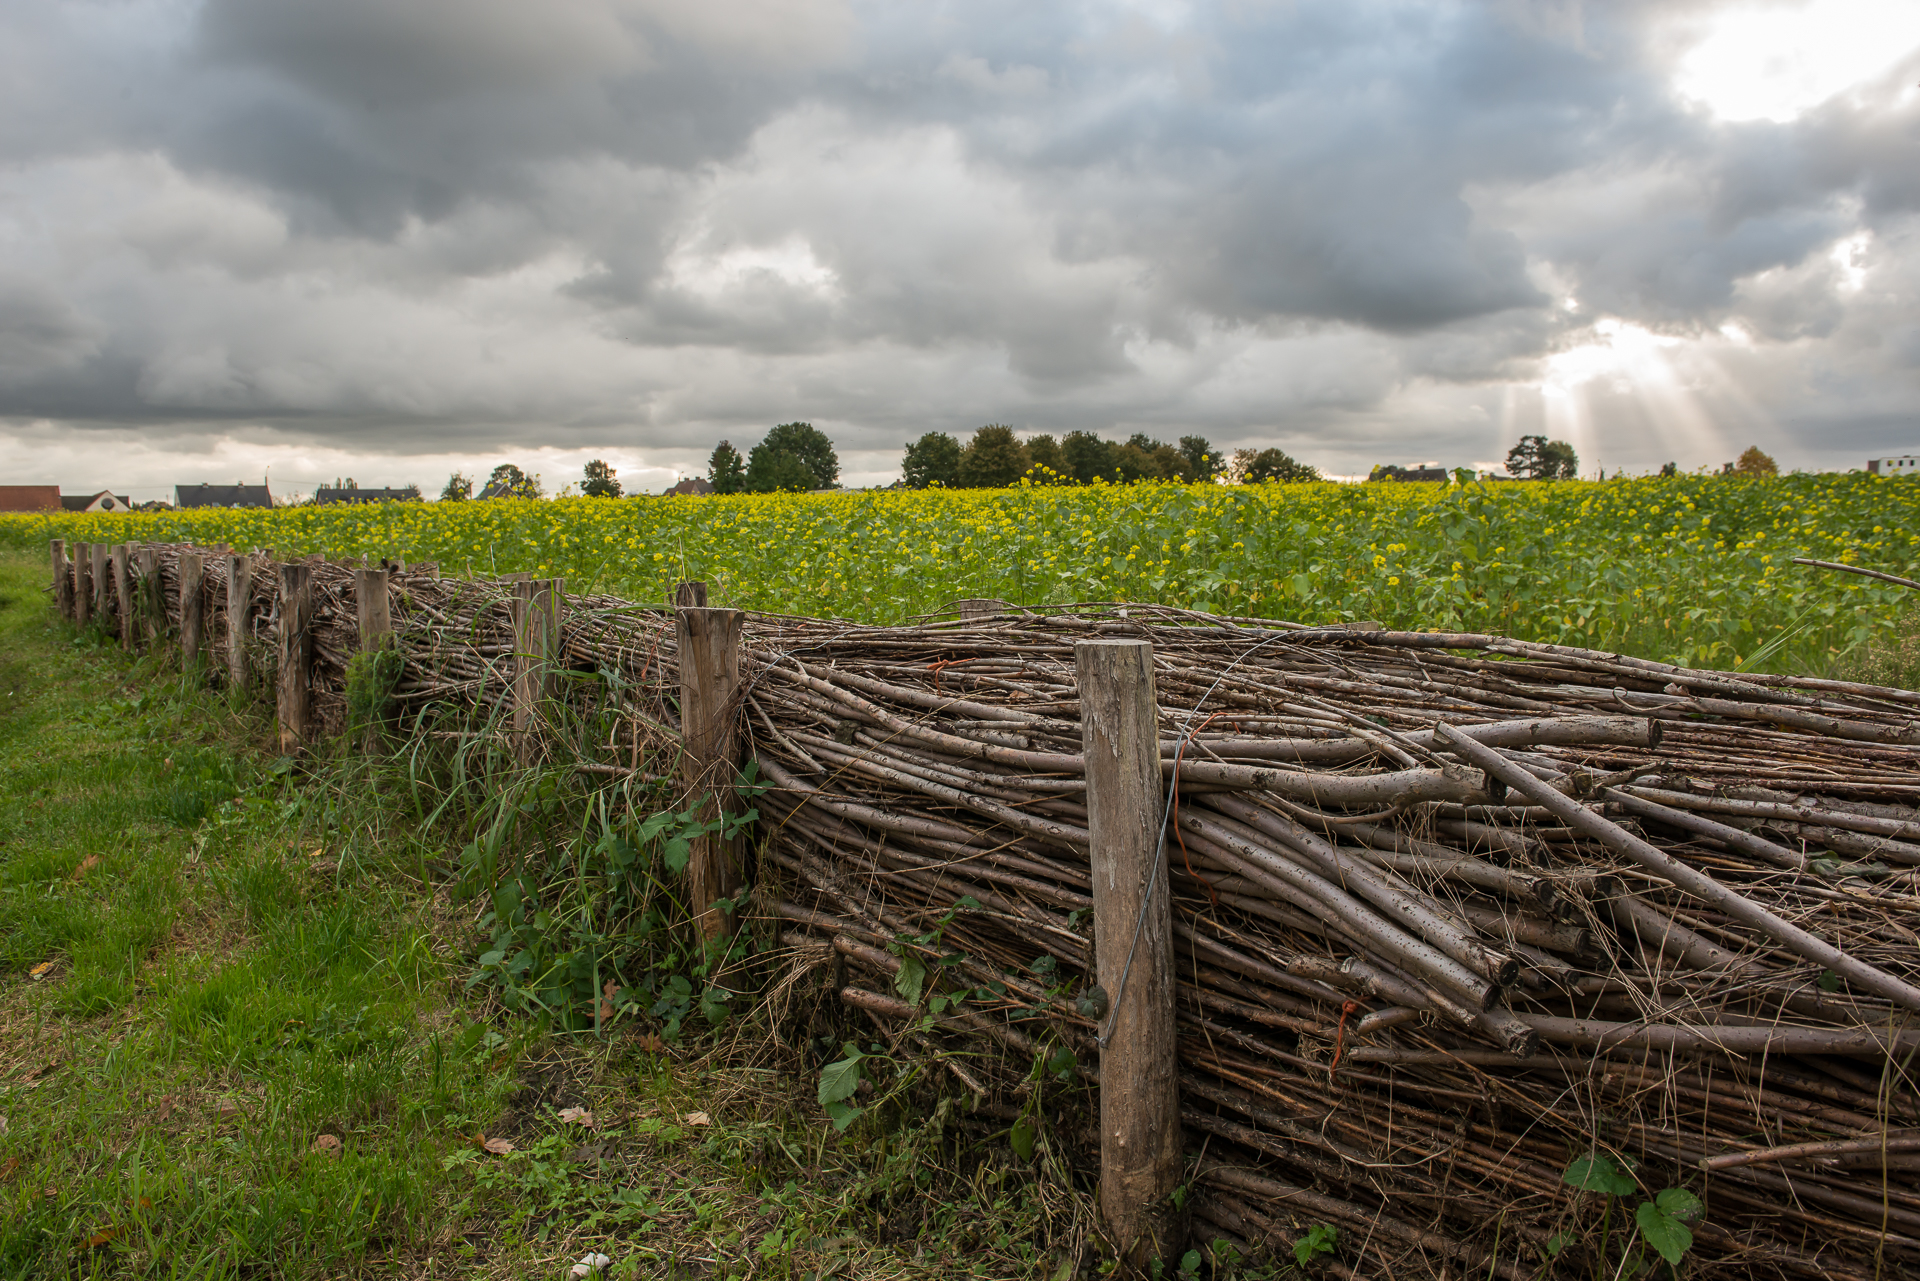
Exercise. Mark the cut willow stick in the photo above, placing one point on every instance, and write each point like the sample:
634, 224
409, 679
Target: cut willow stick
1412, 910
1872, 824
1733, 837
1699, 884
1905, 1141
1564, 731
1895, 579
1603, 1034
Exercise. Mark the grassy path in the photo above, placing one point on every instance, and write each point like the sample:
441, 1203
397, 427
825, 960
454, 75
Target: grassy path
236, 1039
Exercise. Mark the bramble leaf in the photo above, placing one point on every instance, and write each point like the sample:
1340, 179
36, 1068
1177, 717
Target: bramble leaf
1665, 1233
1596, 1173
911, 980
838, 1080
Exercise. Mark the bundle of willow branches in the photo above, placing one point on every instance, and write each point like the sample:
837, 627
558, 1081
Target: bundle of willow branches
1460, 920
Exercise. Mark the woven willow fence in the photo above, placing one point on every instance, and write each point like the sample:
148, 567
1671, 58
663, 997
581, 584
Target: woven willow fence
1465, 938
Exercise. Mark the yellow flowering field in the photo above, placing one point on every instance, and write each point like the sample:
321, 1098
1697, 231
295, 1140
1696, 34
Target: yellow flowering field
1696, 569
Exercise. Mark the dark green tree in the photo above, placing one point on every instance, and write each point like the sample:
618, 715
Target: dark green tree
1538, 458
1276, 465
726, 470
1046, 464
599, 481
934, 459
516, 482
810, 446
458, 489
1562, 462
1088, 457
1669, 469
775, 470
1203, 461
993, 459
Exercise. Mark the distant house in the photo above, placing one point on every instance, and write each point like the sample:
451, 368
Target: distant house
327, 494
1898, 465
221, 496
29, 498
1391, 472
692, 485
104, 501
496, 489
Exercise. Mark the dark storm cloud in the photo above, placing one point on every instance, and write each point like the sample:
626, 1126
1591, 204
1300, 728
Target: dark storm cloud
393, 226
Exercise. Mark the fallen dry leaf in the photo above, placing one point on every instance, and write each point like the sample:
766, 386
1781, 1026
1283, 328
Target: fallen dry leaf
11, 1164
606, 1011
316, 853
40, 971
577, 1116
49, 1192
327, 1144
99, 1238
499, 1147
699, 1118
90, 861
652, 1044
226, 1108
3, 1122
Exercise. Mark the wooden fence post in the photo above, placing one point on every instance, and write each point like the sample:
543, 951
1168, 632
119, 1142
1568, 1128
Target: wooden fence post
709, 652
97, 570
536, 633
372, 608
981, 607
153, 618
62, 579
375, 614
239, 617
82, 584
123, 595
1133, 934
689, 595
292, 701
193, 608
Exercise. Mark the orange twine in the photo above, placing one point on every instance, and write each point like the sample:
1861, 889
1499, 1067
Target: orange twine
1347, 1008
943, 665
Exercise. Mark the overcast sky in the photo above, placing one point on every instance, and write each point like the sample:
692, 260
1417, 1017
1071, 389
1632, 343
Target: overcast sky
390, 238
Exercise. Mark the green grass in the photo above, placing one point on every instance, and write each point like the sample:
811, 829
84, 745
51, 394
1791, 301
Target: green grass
208, 962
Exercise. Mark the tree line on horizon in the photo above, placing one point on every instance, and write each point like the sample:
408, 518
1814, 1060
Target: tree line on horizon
796, 457
995, 458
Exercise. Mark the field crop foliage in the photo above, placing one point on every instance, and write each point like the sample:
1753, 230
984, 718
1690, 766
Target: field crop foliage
1692, 569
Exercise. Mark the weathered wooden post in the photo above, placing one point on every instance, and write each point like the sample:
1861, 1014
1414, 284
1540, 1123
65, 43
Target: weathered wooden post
709, 651
82, 584
292, 701
980, 607
123, 595
1133, 937
374, 610
62, 579
536, 632
153, 616
690, 595
97, 571
239, 618
193, 608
